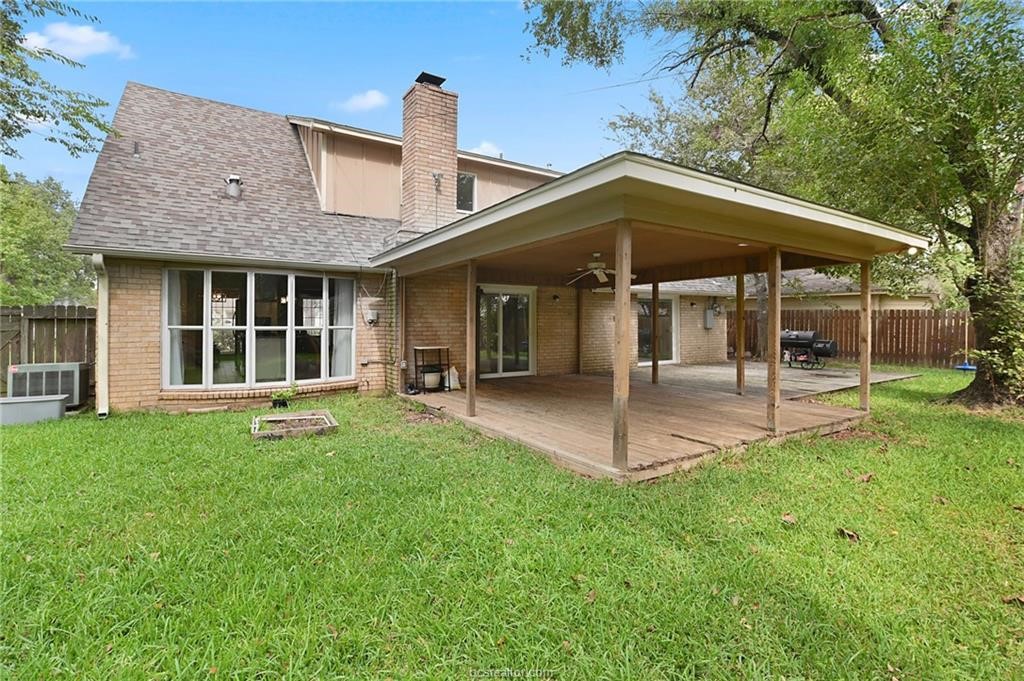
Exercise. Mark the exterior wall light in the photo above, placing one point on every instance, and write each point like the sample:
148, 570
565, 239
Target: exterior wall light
912, 250
234, 186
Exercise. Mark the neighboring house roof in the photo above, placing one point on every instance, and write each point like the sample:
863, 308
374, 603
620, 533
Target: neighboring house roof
714, 287
170, 201
808, 283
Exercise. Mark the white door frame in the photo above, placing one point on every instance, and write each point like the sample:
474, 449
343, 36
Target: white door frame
531, 292
674, 299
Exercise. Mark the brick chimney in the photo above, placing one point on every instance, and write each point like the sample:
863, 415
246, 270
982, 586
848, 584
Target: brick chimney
429, 163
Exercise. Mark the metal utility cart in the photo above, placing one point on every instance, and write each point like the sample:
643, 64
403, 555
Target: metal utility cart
429, 360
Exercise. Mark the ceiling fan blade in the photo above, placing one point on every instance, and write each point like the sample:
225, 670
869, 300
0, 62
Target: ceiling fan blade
601, 276
579, 275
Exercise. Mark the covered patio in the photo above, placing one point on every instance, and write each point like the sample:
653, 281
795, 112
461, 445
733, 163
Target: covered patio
654, 222
671, 428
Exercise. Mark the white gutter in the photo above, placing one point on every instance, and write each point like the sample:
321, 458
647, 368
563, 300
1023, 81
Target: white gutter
102, 336
238, 261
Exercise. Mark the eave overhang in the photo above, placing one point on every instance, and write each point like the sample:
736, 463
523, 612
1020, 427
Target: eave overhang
661, 196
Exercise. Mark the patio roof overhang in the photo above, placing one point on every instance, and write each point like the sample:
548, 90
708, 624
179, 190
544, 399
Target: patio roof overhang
686, 225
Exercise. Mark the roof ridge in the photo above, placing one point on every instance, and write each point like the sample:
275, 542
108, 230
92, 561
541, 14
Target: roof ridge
203, 99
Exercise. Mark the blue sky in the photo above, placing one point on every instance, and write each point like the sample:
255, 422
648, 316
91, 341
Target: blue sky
322, 60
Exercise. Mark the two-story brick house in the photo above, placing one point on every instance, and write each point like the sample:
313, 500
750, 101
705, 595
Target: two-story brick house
215, 296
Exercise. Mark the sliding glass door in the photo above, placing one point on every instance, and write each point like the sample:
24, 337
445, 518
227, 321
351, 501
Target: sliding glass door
505, 333
666, 331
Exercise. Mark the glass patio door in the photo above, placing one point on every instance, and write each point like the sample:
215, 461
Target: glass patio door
666, 328
505, 331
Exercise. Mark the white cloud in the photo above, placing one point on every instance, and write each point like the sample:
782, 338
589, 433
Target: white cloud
77, 42
487, 149
35, 124
363, 101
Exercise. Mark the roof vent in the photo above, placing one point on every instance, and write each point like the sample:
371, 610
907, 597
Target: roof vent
429, 79
234, 188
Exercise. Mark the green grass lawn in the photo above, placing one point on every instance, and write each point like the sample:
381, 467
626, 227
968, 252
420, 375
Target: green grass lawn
155, 546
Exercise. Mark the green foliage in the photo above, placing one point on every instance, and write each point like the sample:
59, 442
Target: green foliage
28, 101
159, 546
285, 393
908, 113
35, 221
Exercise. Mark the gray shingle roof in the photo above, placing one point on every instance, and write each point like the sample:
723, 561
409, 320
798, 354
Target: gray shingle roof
713, 286
171, 200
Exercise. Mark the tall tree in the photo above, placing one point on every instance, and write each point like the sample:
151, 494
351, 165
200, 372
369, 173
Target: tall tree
908, 112
716, 127
35, 221
27, 100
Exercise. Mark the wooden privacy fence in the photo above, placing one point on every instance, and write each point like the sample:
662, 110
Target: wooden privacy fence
916, 337
46, 333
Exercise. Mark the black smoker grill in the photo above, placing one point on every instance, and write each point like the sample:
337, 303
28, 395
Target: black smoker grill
805, 349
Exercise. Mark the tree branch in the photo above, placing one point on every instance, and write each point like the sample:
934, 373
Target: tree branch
869, 11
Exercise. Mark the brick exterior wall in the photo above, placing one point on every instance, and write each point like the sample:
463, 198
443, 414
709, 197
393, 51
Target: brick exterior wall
429, 145
435, 314
598, 311
435, 309
556, 331
135, 339
134, 334
698, 345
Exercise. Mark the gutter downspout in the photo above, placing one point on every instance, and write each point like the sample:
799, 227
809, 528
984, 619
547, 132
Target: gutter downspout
102, 336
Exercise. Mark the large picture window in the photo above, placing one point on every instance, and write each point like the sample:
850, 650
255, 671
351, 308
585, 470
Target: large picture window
256, 329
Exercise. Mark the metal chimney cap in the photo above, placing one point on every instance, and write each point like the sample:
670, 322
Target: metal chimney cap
429, 79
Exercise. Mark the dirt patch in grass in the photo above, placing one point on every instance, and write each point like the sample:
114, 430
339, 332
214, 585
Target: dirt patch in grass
859, 434
420, 417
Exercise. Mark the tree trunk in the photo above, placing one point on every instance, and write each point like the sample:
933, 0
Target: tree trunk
761, 291
996, 302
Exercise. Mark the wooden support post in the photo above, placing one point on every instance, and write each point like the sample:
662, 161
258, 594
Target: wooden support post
623, 345
655, 332
741, 335
774, 333
471, 314
865, 336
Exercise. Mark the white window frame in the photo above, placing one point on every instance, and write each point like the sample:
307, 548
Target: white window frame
289, 361
531, 292
165, 328
328, 339
250, 330
210, 328
675, 329
476, 181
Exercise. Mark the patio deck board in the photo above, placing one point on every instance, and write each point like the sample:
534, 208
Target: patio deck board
671, 427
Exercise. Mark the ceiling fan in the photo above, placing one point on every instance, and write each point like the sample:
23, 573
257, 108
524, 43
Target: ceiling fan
595, 267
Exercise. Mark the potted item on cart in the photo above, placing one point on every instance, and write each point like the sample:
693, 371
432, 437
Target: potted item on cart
432, 377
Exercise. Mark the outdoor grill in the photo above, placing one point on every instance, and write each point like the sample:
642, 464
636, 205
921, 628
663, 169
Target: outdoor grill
805, 349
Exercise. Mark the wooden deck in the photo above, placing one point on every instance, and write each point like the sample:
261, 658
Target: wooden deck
796, 382
671, 428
